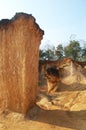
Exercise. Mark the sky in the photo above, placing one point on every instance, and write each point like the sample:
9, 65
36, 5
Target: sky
61, 20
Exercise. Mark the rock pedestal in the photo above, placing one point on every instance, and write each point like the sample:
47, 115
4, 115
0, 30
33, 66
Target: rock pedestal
20, 38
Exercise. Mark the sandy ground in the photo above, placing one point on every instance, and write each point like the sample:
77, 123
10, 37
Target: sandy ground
54, 117
44, 120
62, 114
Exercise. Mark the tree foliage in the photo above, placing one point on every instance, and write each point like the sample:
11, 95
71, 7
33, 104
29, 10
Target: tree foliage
59, 51
48, 53
84, 53
72, 50
42, 54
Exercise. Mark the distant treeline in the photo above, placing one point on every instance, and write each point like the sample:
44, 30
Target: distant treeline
72, 50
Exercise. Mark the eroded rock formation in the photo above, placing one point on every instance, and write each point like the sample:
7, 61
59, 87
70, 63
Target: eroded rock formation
71, 92
67, 67
20, 38
70, 72
53, 78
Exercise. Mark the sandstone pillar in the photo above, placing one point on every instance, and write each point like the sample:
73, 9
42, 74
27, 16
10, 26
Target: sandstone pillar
19, 50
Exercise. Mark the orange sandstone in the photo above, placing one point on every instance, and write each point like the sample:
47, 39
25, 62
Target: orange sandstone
20, 38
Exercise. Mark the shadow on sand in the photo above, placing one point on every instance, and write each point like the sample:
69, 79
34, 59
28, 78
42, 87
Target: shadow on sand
68, 119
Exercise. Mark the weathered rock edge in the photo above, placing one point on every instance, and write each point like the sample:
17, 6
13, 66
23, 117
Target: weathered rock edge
20, 38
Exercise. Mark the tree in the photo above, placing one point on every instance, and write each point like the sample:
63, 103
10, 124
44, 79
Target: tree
48, 53
59, 51
73, 50
42, 54
84, 53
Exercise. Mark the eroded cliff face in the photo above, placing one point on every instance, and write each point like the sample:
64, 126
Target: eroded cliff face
20, 38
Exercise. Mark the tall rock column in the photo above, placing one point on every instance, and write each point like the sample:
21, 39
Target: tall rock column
20, 38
